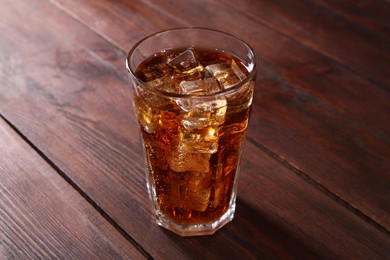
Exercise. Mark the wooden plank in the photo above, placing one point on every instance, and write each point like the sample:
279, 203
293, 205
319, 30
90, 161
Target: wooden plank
299, 209
333, 115
373, 15
140, 19
68, 98
42, 216
362, 50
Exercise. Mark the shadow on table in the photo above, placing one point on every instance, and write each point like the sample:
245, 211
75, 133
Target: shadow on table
249, 235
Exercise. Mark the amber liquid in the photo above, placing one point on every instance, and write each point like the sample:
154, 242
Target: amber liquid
192, 155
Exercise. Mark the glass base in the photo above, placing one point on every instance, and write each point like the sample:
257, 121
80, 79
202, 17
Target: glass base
197, 229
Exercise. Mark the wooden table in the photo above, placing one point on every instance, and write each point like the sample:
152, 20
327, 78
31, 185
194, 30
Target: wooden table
315, 175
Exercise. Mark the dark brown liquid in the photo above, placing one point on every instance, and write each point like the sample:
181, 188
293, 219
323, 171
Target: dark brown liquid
192, 153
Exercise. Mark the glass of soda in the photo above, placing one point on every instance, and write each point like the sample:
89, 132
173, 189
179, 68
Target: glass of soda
192, 95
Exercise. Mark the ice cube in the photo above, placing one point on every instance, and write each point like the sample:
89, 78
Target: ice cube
148, 118
204, 140
168, 120
199, 190
183, 162
202, 113
184, 60
199, 87
158, 83
186, 65
152, 118
228, 74
154, 111
188, 191
200, 124
164, 83
200, 199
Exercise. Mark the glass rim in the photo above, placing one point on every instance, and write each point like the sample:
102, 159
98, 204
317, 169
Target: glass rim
176, 95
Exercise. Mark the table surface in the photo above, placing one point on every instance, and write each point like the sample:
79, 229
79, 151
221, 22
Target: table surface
314, 179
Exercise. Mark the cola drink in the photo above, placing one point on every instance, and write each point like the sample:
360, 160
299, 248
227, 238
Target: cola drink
192, 94
193, 129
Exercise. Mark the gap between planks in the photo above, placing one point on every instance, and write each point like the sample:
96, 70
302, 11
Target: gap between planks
279, 159
104, 214
319, 186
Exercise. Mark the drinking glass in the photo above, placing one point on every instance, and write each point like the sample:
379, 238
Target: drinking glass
192, 94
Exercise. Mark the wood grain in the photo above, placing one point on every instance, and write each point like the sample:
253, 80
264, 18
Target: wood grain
372, 15
364, 51
336, 133
69, 99
277, 192
42, 216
